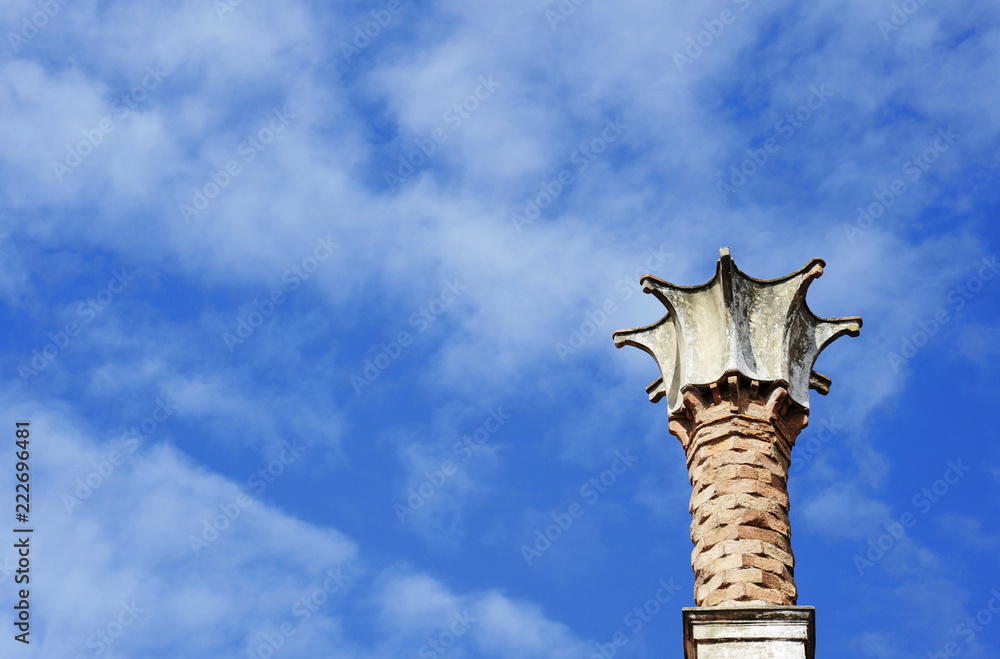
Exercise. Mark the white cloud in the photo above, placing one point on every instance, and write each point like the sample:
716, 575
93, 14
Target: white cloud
128, 543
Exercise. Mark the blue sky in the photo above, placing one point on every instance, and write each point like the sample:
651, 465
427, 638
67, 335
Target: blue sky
310, 307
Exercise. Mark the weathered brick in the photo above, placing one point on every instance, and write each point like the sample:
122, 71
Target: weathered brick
759, 502
738, 453
765, 564
764, 535
720, 534
725, 548
703, 495
724, 596
744, 575
779, 555
769, 595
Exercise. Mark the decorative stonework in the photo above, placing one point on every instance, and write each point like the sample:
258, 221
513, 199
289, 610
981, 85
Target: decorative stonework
736, 357
774, 632
758, 327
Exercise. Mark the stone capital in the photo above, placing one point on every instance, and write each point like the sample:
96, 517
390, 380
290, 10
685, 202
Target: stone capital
760, 328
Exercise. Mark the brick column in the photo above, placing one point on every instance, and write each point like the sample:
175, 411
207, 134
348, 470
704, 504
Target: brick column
738, 436
736, 358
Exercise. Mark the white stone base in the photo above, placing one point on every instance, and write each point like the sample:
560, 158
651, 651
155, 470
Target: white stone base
759, 632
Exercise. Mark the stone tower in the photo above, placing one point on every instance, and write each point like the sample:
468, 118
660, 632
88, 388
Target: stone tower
736, 357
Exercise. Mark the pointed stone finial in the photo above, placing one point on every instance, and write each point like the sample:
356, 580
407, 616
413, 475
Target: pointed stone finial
760, 328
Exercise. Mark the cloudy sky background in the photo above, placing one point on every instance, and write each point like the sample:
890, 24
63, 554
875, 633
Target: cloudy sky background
172, 169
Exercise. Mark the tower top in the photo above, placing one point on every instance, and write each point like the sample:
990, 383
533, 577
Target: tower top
761, 328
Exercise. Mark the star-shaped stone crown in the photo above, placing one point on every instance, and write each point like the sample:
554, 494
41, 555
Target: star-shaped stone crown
760, 328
